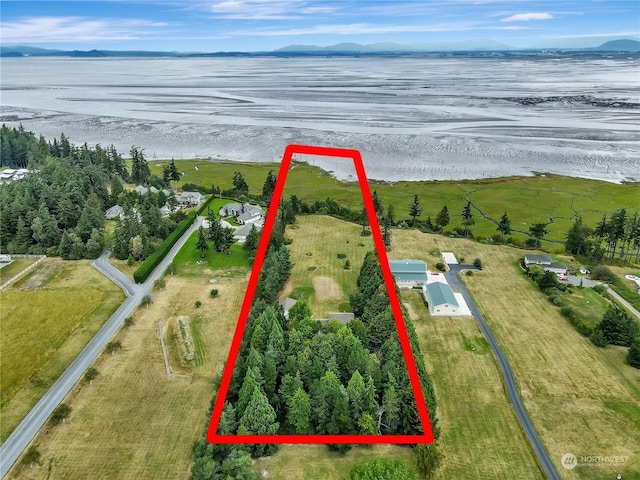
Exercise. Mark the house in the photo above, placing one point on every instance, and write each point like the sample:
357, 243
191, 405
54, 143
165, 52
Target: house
286, 303
558, 268
190, 199
532, 259
165, 211
441, 300
114, 212
408, 273
7, 174
5, 258
241, 233
244, 213
143, 190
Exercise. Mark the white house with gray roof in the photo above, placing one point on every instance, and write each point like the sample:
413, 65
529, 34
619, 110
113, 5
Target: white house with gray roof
243, 212
408, 273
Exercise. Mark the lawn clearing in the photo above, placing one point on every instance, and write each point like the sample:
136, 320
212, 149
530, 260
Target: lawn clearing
481, 437
567, 384
17, 265
44, 329
318, 275
188, 256
312, 462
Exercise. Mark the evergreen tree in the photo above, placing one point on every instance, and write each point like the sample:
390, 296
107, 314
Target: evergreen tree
467, 218
377, 204
299, 413
414, 209
239, 183
140, 172
391, 215
633, 356
617, 326
259, 418
504, 227
577, 238
202, 244
252, 240
443, 218
269, 186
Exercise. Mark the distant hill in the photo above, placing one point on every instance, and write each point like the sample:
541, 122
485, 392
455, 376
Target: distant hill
482, 44
624, 45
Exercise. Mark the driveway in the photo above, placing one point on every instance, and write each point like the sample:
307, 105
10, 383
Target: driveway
543, 457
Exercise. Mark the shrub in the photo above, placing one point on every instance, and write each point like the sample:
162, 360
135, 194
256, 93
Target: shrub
342, 255
597, 337
600, 289
440, 266
434, 253
347, 265
477, 263
213, 293
603, 273
633, 357
198, 303
468, 273
568, 312
555, 299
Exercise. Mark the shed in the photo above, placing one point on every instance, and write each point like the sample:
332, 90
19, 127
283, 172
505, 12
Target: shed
287, 303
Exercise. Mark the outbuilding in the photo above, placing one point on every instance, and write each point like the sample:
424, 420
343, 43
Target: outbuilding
441, 300
409, 273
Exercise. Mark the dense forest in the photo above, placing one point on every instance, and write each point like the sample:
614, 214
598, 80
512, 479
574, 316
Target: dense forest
295, 376
58, 208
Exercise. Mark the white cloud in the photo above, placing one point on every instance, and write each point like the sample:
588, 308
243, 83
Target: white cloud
526, 17
257, 9
74, 29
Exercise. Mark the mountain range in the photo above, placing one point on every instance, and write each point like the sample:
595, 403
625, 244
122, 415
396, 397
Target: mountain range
347, 49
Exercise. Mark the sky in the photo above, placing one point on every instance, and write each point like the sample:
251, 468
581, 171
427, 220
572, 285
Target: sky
262, 25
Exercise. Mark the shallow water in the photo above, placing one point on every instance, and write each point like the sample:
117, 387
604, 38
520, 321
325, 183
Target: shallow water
411, 118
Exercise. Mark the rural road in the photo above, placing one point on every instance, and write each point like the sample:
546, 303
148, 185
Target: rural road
35, 419
507, 374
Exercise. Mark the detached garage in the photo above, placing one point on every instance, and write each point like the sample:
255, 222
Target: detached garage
442, 301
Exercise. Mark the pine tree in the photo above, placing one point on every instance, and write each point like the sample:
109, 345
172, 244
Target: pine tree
140, 172
202, 244
269, 186
259, 418
467, 218
252, 240
299, 413
239, 183
504, 227
414, 209
443, 218
377, 204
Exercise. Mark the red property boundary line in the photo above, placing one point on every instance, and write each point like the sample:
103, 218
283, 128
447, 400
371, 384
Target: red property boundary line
212, 435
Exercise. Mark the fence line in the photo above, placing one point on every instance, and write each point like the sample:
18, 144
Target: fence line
26, 270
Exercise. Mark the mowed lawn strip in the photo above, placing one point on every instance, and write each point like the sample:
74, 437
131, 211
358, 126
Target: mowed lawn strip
43, 330
581, 399
481, 436
318, 275
16, 266
134, 422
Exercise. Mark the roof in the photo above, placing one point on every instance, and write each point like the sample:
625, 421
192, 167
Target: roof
441, 293
341, 316
533, 258
559, 266
236, 208
248, 215
287, 302
407, 266
411, 277
244, 230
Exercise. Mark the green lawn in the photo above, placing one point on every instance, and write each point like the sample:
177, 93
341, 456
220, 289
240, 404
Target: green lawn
587, 304
185, 260
526, 200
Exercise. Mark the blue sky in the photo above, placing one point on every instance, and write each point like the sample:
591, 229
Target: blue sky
258, 25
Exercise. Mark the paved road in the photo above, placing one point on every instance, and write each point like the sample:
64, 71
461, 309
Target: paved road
507, 375
626, 304
35, 419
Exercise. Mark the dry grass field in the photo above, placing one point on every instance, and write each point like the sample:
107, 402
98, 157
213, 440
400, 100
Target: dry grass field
481, 437
582, 399
48, 316
134, 422
318, 275
16, 266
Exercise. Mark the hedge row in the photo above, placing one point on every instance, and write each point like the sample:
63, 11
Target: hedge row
576, 321
153, 260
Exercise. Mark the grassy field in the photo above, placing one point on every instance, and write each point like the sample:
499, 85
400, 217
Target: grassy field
16, 266
481, 437
582, 399
185, 260
526, 199
318, 275
47, 318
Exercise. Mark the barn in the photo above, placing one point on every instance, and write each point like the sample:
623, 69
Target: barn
442, 301
409, 273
